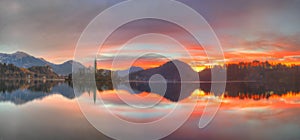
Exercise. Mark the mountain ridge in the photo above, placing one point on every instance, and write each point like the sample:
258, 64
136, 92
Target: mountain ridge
174, 70
25, 60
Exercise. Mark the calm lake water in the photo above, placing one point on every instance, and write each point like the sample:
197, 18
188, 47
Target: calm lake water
49, 110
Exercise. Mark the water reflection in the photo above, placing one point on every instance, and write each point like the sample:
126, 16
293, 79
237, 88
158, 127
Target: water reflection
255, 90
48, 109
241, 90
21, 92
171, 91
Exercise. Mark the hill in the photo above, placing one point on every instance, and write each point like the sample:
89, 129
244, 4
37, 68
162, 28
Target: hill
24, 60
172, 71
10, 71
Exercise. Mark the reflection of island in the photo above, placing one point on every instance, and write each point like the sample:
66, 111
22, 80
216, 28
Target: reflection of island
21, 92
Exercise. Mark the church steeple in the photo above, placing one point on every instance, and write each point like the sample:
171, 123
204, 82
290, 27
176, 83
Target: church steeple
94, 91
95, 65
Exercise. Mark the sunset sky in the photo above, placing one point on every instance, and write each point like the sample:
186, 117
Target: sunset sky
247, 30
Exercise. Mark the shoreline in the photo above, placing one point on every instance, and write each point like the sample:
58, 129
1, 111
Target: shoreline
33, 79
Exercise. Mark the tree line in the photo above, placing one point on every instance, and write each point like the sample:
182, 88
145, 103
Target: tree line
10, 71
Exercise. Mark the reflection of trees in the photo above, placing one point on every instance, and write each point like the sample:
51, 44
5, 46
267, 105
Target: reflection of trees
20, 92
254, 90
42, 86
12, 85
9, 86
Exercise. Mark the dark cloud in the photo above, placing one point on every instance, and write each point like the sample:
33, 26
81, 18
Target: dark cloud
51, 28
41, 26
139, 27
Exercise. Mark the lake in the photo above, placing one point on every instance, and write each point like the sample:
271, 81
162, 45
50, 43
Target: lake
50, 110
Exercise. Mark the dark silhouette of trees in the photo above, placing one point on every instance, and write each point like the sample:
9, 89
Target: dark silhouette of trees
257, 79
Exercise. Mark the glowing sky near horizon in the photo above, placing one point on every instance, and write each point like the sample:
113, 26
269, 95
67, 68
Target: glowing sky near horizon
247, 30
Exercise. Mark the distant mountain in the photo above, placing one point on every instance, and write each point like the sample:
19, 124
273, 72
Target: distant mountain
172, 71
24, 60
175, 73
122, 73
66, 67
21, 59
